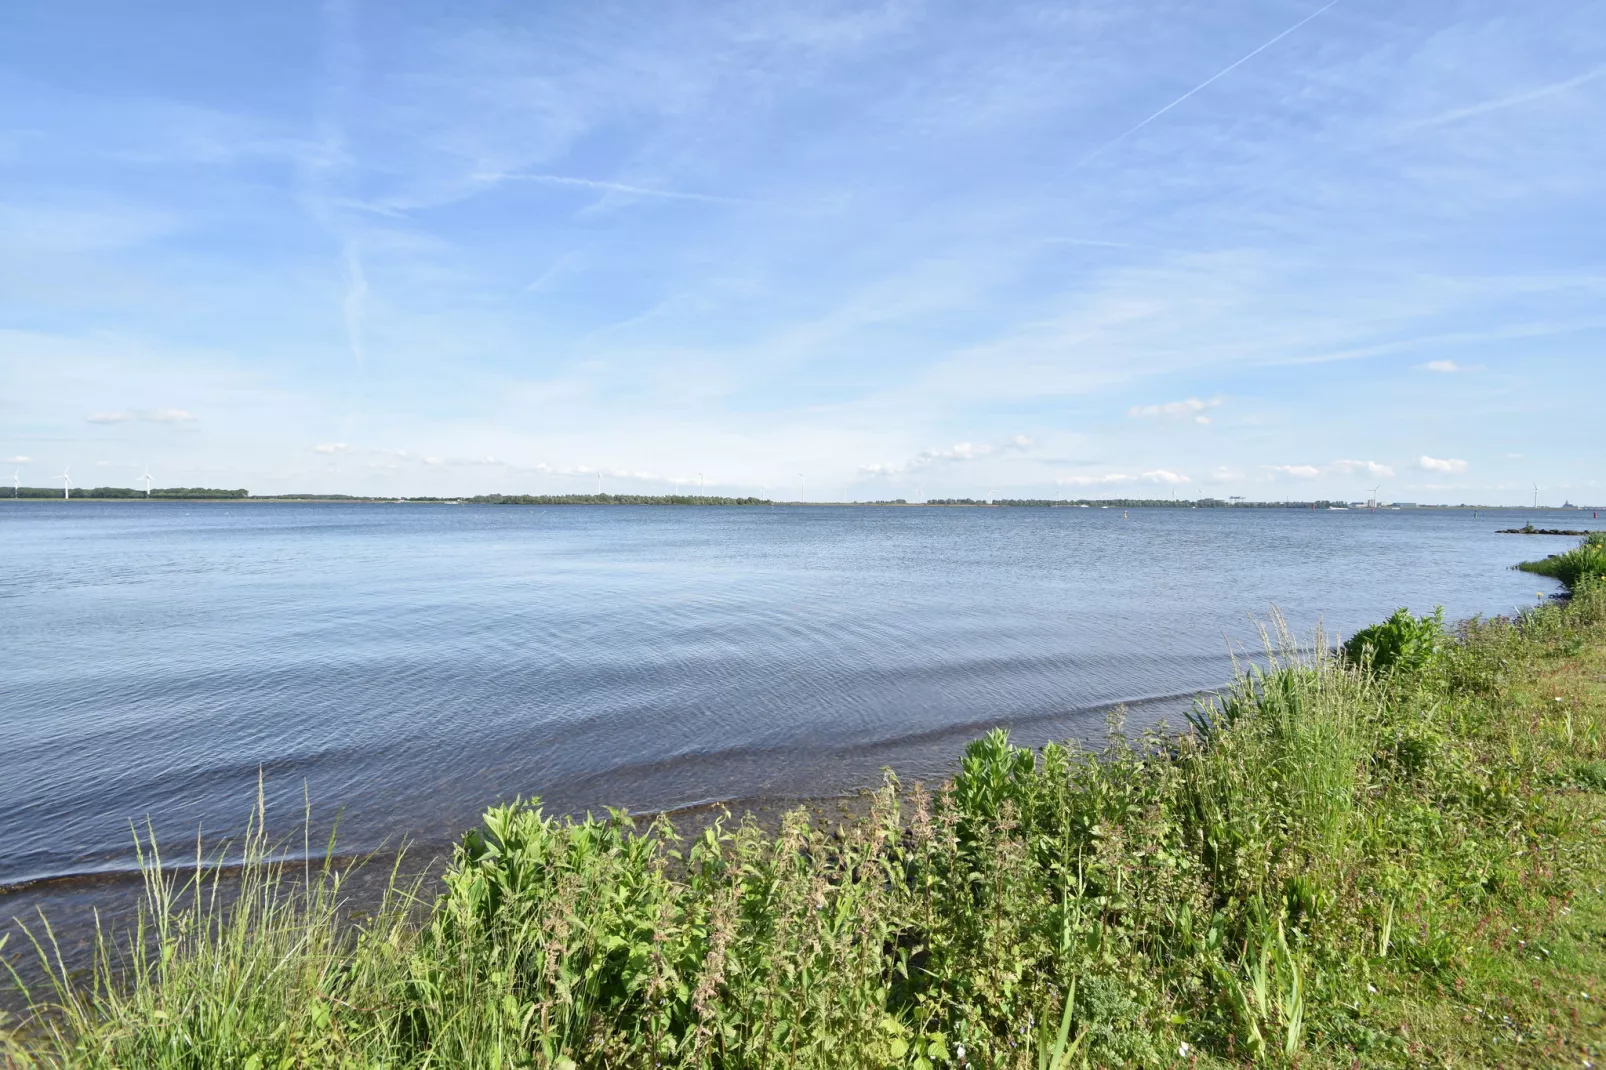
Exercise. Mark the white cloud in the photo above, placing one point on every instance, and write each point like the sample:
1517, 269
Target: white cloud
1093, 481
19, 459
1336, 468
1158, 475
1436, 464
1450, 367
466, 462
155, 416
330, 447
1370, 468
959, 451
1191, 407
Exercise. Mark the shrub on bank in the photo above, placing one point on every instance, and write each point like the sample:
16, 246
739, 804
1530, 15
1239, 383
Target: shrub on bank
1326, 849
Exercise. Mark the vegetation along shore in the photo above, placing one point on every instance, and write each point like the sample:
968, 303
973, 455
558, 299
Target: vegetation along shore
1390, 856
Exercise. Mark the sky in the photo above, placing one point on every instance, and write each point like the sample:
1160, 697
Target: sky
1273, 248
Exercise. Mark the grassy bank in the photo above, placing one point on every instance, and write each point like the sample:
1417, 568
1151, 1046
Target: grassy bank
1585, 561
1392, 863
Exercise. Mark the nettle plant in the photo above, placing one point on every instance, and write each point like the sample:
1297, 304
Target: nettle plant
1400, 644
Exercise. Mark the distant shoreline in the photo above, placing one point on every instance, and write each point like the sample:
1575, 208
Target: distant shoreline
712, 501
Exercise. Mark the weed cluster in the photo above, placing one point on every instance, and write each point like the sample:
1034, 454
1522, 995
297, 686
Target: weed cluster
1338, 840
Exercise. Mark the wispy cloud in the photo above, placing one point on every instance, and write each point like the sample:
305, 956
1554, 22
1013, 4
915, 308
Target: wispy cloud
1226, 474
353, 305
1451, 465
932, 270
19, 459
330, 447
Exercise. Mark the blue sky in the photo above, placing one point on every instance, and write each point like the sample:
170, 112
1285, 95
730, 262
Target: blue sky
890, 250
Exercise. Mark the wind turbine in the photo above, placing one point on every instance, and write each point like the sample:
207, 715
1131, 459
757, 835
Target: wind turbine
66, 481
148, 480
1536, 495
800, 488
1374, 497
16, 483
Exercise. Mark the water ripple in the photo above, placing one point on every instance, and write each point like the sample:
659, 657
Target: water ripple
405, 665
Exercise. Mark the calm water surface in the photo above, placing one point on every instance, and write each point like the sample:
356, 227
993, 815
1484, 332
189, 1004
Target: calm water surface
411, 663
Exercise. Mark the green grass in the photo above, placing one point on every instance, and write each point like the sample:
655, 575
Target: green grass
1585, 561
1343, 863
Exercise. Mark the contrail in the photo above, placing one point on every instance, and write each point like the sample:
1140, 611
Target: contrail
1213, 78
609, 187
1511, 101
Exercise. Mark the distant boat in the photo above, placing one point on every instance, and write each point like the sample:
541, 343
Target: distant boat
1338, 508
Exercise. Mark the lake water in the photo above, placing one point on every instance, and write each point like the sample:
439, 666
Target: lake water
409, 664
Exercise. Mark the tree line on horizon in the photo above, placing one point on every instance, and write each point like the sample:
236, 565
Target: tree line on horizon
128, 492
